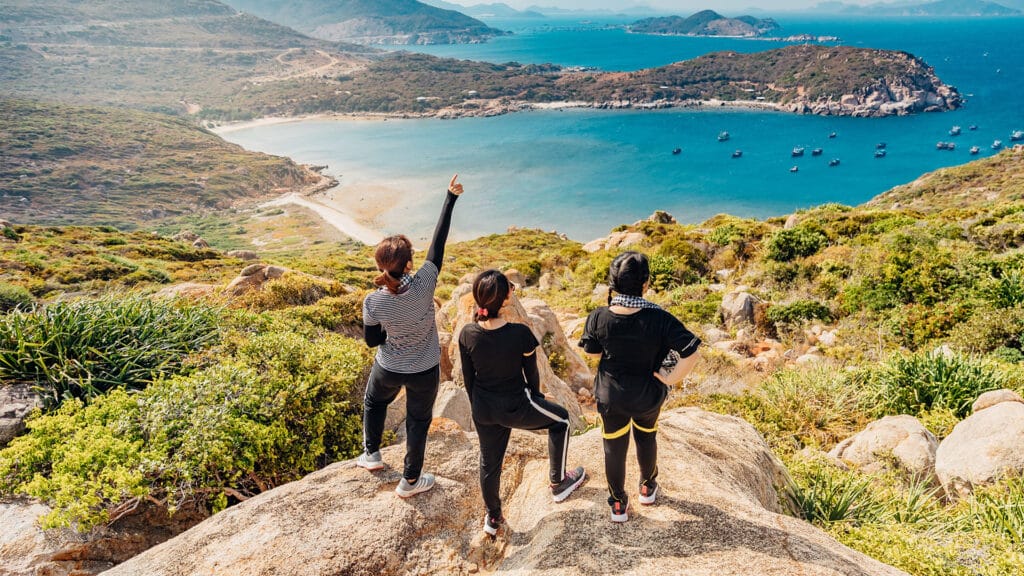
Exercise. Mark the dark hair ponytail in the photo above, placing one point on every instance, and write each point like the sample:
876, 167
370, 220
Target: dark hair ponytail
490, 289
628, 273
393, 254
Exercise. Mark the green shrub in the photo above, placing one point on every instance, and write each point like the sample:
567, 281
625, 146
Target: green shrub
798, 408
822, 494
923, 382
799, 311
663, 272
798, 242
83, 348
292, 289
276, 407
14, 297
530, 269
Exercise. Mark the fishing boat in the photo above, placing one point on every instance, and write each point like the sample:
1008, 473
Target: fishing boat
832, 135
737, 154
794, 169
816, 152
945, 146
997, 144
1017, 136
954, 131
833, 162
975, 150
879, 153
677, 151
972, 127
880, 146
723, 136
797, 152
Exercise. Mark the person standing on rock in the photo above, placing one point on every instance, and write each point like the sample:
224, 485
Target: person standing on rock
499, 366
399, 318
642, 349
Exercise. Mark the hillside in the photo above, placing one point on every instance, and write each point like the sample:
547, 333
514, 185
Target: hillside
705, 23
373, 21
177, 56
802, 79
84, 165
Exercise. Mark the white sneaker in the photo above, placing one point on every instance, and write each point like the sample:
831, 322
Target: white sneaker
648, 493
405, 489
370, 461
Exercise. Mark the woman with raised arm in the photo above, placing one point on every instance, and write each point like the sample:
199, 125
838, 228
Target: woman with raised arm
643, 350
499, 366
399, 318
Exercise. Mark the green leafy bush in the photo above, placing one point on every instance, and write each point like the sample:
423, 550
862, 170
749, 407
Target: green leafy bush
799, 311
83, 348
276, 407
923, 382
798, 242
14, 297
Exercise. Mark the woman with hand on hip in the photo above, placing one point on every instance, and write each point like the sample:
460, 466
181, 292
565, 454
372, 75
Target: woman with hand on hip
399, 318
633, 338
499, 365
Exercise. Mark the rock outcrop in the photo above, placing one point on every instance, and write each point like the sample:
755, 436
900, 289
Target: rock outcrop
615, 241
717, 513
27, 550
900, 440
17, 401
737, 308
982, 448
575, 371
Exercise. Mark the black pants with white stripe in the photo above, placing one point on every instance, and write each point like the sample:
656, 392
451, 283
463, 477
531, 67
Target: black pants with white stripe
495, 415
420, 393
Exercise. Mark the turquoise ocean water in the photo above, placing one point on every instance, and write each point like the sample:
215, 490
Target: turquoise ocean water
583, 172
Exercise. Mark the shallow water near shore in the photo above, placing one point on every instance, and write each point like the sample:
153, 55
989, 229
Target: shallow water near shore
583, 172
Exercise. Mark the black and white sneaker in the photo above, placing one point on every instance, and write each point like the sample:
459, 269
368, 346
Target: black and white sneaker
571, 481
648, 492
620, 510
492, 525
406, 489
370, 461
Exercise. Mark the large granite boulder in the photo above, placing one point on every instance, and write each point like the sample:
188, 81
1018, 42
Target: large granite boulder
900, 440
17, 401
28, 550
982, 448
543, 320
737, 308
253, 277
717, 513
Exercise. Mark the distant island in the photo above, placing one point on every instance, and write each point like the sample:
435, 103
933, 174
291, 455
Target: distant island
373, 21
705, 23
945, 8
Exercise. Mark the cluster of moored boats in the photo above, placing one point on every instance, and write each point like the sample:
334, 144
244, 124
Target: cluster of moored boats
1015, 136
881, 148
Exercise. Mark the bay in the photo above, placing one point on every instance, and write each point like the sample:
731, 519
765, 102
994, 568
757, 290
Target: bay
583, 172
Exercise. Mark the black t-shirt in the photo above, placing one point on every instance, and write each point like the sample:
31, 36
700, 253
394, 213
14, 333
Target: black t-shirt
632, 348
492, 360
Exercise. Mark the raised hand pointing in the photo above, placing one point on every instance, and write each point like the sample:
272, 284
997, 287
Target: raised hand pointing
455, 187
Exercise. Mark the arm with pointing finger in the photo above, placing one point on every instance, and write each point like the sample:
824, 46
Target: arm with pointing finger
435, 253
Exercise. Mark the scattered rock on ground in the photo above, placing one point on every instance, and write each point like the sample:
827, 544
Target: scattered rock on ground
17, 401
900, 440
243, 254
982, 448
717, 513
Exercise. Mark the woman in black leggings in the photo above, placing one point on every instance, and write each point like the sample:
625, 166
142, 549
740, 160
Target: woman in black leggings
499, 365
399, 318
633, 339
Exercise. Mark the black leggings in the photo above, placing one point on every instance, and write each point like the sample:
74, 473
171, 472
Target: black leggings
495, 416
420, 393
615, 428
